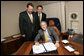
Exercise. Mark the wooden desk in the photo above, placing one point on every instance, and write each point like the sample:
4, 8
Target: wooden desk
10, 45
27, 46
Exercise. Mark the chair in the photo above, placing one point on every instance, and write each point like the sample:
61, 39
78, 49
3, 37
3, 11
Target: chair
54, 22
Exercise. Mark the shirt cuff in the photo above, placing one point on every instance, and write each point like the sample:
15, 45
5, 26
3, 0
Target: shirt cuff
57, 41
35, 41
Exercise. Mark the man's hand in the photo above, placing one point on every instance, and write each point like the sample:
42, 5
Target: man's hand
23, 35
36, 43
57, 44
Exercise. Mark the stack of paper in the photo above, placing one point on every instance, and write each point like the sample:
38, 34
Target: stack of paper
70, 49
50, 46
38, 49
15, 36
3, 40
65, 41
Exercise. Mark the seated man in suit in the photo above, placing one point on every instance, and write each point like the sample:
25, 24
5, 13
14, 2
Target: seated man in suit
47, 34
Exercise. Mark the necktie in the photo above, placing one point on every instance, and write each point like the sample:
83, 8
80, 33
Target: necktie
46, 37
31, 18
40, 17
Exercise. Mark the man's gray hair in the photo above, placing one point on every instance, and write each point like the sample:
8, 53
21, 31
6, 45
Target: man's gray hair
43, 22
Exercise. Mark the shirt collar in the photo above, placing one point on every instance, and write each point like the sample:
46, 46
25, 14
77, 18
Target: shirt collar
40, 13
28, 12
46, 29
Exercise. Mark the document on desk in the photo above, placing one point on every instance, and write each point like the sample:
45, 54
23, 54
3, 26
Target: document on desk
38, 49
70, 49
65, 41
3, 40
44, 47
49, 46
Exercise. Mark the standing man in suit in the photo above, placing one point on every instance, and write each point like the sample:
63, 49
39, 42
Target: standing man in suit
47, 34
27, 23
40, 15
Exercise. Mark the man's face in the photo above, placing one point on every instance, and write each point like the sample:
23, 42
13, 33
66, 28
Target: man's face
39, 10
43, 25
30, 9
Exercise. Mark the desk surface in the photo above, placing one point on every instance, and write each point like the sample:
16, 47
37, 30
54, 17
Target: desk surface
27, 46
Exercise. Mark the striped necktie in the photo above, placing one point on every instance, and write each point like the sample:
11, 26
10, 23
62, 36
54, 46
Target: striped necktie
40, 17
30, 15
46, 37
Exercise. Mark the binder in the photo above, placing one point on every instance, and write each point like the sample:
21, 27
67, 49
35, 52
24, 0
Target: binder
44, 48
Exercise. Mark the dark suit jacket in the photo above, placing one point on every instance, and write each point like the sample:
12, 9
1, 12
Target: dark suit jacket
51, 32
26, 26
38, 20
43, 16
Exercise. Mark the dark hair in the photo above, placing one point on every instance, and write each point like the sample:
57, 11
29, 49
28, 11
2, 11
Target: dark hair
29, 4
40, 6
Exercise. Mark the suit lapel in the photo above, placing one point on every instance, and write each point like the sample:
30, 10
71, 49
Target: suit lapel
28, 18
38, 16
42, 17
33, 17
49, 31
42, 34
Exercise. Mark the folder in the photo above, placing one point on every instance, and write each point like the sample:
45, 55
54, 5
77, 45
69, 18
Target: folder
43, 48
38, 49
49, 46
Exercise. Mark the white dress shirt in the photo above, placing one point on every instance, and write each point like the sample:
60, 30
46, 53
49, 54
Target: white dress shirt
30, 15
40, 16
